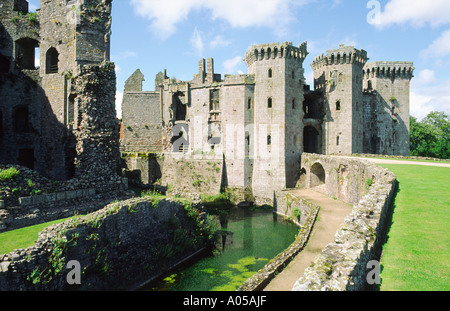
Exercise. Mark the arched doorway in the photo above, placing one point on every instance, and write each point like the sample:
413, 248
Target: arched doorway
317, 175
311, 140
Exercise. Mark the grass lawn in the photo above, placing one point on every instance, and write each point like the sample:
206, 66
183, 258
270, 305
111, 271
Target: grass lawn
416, 256
23, 238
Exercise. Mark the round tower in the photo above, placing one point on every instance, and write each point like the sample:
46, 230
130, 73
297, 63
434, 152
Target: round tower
338, 75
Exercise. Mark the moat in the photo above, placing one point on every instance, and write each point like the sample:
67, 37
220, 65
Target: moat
250, 239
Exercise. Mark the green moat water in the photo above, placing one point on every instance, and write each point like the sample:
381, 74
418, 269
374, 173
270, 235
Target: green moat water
253, 238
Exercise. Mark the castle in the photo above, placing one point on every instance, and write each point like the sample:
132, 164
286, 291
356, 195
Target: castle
58, 117
260, 123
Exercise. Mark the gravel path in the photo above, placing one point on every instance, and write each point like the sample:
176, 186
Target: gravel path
331, 216
389, 161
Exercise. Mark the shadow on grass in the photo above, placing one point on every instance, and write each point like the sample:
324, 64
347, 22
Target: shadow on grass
388, 222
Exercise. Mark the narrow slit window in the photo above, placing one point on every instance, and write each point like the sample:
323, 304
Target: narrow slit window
269, 102
338, 105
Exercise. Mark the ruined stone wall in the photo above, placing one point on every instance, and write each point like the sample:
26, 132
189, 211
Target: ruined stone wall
119, 247
143, 169
142, 122
192, 177
97, 136
342, 265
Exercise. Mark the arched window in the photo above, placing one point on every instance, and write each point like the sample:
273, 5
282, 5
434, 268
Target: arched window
52, 60
21, 120
269, 140
25, 53
338, 105
269, 102
270, 73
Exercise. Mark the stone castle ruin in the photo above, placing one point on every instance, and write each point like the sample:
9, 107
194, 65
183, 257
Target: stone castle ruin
251, 135
259, 124
58, 117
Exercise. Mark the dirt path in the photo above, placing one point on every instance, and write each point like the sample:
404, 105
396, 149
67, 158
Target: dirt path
331, 216
388, 161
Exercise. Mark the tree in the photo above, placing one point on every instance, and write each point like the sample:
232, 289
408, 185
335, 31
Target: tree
431, 136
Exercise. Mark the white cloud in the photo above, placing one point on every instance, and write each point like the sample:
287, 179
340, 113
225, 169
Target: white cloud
231, 65
439, 48
219, 41
425, 77
428, 94
197, 42
165, 15
416, 13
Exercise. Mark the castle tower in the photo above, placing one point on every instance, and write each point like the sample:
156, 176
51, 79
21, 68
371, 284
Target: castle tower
279, 80
339, 75
387, 88
73, 34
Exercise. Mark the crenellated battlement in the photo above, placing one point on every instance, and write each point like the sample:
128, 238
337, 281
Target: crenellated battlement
276, 50
389, 70
343, 55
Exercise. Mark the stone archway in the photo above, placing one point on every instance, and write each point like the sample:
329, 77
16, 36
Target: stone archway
317, 175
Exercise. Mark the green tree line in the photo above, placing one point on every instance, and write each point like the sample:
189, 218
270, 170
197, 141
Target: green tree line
431, 136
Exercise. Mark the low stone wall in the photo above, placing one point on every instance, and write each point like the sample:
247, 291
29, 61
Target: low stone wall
263, 277
342, 265
119, 247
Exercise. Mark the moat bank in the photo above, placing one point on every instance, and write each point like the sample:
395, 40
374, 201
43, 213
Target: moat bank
119, 247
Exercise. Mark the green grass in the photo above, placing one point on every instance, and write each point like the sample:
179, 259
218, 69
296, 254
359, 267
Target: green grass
8, 174
416, 256
23, 238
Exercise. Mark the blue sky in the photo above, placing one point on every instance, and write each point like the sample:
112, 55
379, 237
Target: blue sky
153, 35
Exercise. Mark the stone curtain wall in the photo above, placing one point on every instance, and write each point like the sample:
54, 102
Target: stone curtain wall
190, 177
342, 264
119, 247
